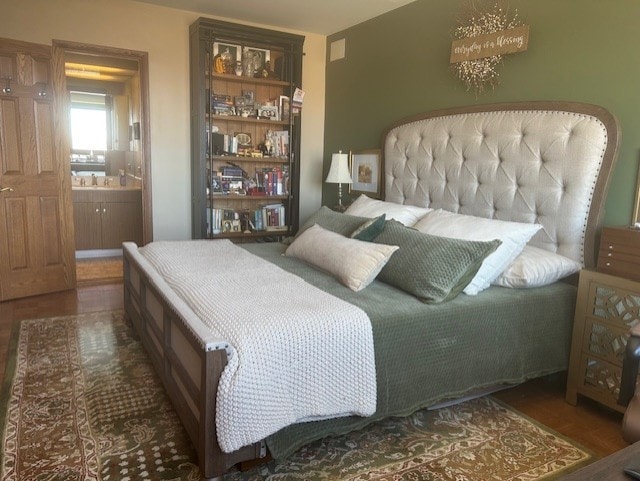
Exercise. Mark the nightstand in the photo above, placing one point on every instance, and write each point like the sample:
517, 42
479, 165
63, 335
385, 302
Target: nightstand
606, 307
619, 252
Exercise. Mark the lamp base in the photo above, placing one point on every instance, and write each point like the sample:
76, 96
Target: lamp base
339, 208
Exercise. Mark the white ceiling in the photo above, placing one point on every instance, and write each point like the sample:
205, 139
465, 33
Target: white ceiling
315, 16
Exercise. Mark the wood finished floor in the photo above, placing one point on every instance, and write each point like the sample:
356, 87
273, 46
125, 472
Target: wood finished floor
593, 426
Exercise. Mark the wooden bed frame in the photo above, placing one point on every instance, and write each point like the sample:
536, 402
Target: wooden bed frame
190, 368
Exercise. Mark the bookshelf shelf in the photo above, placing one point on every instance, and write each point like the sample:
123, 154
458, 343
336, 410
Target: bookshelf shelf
242, 158
242, 79
246, 120
240, 197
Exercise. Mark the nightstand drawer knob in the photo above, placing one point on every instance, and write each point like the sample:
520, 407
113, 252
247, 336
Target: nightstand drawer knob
610, 246
608, 264
609, 254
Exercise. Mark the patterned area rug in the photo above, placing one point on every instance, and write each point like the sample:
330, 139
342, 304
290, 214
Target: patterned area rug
81, 402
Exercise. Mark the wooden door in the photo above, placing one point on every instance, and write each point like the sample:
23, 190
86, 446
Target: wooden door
36, 227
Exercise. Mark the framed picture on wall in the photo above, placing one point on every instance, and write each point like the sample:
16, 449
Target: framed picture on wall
365, 172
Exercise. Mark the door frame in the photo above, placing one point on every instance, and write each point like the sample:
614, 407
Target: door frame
62, 47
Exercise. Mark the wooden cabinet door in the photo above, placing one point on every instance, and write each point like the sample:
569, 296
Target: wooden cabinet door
36, 240
87, 219
121, 221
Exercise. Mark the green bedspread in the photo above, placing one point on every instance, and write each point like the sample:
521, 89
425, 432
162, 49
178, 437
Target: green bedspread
427, 353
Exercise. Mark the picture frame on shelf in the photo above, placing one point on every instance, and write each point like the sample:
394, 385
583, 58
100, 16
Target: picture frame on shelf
244, 139
249, 97
269, 111
234, 50
284, 106
216, 185
280, 139
365, 167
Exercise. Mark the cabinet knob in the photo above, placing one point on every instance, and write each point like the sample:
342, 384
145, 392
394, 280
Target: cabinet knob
609, 254
104, 209
610, 246
97, 210
608, 264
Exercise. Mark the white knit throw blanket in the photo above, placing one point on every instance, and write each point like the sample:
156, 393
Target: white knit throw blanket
297, 352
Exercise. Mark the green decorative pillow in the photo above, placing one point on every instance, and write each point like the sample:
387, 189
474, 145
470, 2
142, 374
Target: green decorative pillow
338, 222
370, 229
432, 268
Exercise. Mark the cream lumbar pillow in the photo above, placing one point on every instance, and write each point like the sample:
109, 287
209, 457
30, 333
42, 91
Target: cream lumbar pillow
513, 235
408, 215
353, 262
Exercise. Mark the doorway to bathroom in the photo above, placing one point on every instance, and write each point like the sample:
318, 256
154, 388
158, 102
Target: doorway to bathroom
110, 163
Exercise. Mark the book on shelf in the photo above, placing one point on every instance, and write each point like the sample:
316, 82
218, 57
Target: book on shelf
273, 217
232, 171
272, 180
223, 144
270, 217
214, 221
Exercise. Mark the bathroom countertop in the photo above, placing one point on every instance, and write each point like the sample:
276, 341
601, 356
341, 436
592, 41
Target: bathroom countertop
108, 187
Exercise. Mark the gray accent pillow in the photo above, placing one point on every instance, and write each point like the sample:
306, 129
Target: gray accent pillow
432, 268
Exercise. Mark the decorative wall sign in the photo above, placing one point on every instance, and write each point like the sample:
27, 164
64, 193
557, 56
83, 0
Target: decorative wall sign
482, 37
513, 40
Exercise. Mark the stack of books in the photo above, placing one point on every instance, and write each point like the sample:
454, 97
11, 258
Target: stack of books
272, 181
224, 144
270, 217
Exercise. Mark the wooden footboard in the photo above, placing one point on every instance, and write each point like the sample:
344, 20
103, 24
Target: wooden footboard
190, 372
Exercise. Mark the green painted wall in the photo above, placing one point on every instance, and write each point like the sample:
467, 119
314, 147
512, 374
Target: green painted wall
397, 65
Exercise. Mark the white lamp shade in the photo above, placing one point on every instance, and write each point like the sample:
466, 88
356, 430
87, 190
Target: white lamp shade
339, 170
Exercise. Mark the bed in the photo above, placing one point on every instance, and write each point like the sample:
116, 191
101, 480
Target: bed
542, 164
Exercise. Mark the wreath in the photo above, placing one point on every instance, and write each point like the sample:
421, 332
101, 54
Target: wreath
481, 73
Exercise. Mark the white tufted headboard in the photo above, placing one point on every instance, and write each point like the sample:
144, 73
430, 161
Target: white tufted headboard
542, 162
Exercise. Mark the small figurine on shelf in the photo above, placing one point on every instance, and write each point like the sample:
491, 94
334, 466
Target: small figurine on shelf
235, 223
251, 62
246, 222
222, 62
266, 72
267, 146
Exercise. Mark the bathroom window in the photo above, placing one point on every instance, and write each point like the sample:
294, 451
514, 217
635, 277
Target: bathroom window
90, 122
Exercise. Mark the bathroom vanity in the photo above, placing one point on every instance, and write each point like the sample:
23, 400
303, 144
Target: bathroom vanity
106, 216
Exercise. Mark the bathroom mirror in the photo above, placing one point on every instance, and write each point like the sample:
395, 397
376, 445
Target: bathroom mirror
103, 110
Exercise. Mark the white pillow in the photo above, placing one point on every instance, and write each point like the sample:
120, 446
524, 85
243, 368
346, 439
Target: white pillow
536, 267
514, 236
353, 262
408, 215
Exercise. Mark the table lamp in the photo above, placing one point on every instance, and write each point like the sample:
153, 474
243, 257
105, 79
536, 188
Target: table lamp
339, 174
